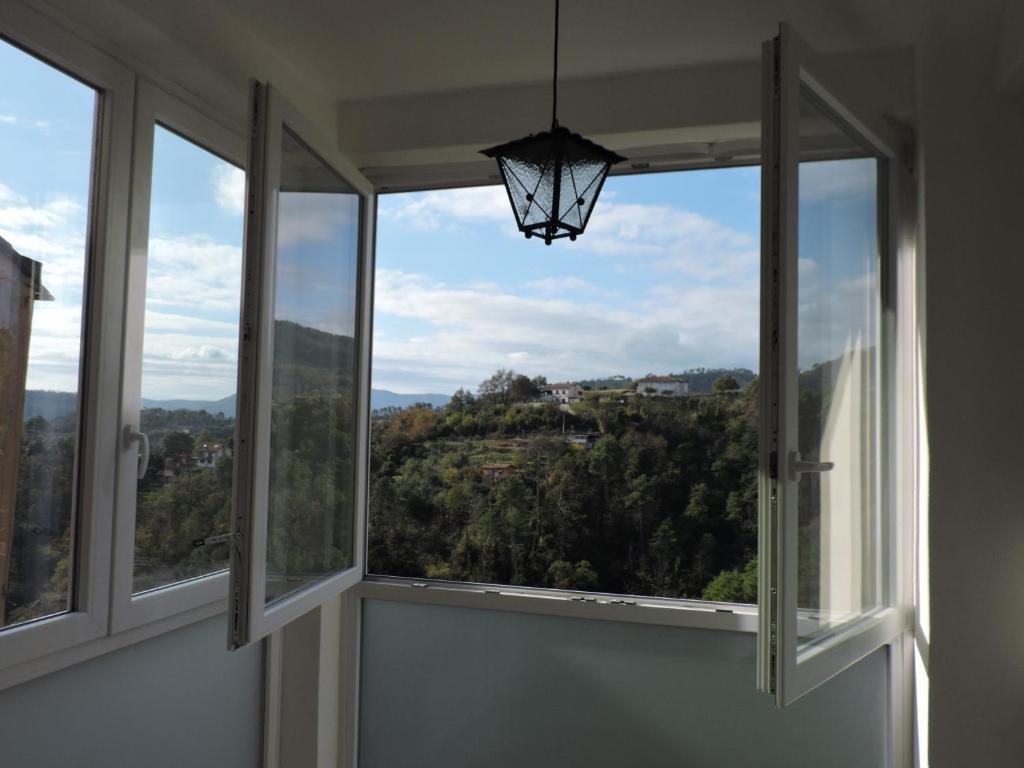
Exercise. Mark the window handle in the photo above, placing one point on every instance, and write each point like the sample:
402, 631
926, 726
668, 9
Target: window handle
800, 466
134, 436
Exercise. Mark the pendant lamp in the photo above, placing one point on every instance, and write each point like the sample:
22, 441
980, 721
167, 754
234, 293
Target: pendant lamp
553, 178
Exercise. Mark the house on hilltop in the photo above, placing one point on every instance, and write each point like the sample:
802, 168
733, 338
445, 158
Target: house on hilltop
569, 392
664, 386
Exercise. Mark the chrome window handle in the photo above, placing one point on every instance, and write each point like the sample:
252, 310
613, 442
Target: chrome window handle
133, 436
800, 466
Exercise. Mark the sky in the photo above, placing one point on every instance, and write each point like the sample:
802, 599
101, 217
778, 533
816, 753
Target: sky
665, 278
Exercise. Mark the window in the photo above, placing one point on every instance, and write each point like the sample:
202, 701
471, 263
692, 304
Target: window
299, 469
47, 141
829, 542
64, 143
180, 362
189, 362
582, 416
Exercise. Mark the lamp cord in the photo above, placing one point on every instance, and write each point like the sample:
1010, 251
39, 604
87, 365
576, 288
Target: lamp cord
554, 87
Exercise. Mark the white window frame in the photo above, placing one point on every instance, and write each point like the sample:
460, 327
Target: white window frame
249, 618
92, 523
611, 606
784, 670
154, 106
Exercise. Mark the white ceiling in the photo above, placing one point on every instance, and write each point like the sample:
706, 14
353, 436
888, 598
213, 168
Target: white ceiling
406, 82
387, 48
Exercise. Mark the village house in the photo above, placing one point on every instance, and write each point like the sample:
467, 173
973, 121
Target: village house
584, 440
570, 392
176, 463
666, 386
495, 472
209, 454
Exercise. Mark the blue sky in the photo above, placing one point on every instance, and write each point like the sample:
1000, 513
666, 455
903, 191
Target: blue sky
193, 273
665, 278
45, 156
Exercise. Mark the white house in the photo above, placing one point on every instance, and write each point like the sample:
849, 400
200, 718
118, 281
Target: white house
667, 386
209, 454
570, 392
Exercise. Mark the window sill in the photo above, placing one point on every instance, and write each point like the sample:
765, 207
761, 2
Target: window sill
695, 614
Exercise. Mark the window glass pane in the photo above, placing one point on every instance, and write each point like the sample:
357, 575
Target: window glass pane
312, 465
838, 360
46, 151
189, 362
578, 416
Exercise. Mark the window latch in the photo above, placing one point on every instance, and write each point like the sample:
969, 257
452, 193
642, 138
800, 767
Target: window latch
211, 540
800, 467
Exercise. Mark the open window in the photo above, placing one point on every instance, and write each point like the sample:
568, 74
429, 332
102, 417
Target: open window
303, 376
828, 592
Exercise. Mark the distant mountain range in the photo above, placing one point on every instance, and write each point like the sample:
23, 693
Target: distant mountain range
53, 405
308, 361
312, 360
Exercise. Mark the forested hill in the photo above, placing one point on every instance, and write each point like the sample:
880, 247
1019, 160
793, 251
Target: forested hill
307, 360
50, 405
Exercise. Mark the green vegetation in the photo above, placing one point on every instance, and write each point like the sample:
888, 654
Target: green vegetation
617, 493
651, 496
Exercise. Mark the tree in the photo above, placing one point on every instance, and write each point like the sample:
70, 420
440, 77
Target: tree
522, 389
178, 443
734, 586
726, 383
496, 389
462, 400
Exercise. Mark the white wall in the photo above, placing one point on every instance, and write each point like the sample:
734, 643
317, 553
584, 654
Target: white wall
972, 142
456, 687
179, 699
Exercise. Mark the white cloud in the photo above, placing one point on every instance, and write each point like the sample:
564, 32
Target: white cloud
567, 284
43, 126
683, 241
195, 273
432, 210
229, 188
836, 180
315, 217
193, 297
673, 239
835, 316
52, 233
467, 334
8, 195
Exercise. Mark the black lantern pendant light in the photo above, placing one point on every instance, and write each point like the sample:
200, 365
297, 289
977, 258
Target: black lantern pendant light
553, 178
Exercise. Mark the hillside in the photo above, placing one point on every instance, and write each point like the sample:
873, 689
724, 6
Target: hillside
701, 380
312, 360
